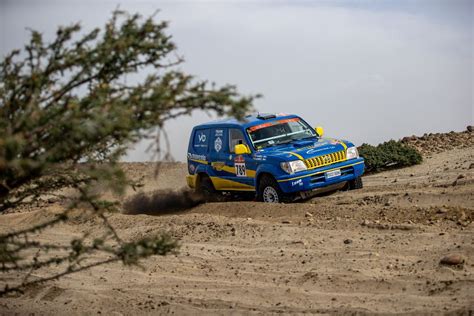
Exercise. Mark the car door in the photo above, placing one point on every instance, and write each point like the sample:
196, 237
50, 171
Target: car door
243, 166
218, 156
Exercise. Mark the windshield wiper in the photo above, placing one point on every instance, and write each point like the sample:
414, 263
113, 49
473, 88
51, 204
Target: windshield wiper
284, 143
312, 136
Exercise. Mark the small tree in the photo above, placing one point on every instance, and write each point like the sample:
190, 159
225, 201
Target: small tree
68, 113
391, 154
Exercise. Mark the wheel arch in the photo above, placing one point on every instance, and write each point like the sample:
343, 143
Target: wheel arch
199, 176
260, 175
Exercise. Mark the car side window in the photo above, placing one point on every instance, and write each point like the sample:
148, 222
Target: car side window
235, 137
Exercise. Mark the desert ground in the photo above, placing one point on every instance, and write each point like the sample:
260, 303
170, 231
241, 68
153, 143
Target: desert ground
372, 251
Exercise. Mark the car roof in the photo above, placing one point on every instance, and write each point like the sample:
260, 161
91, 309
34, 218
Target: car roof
246, 122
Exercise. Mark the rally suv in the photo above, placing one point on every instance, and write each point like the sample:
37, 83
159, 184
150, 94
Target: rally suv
274, 157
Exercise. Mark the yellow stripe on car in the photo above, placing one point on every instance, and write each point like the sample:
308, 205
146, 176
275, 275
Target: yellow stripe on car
199, 161
191, 180
344, 145
251, 173
225, 184
339, 142
296, 155
221, 184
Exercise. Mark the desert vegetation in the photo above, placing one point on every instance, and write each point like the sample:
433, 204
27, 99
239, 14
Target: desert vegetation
389, 155
67, 114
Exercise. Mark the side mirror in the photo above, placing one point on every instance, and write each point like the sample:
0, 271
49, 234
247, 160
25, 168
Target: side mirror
241, 149
319, 130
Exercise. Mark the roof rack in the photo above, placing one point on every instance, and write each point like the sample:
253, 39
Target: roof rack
265, 116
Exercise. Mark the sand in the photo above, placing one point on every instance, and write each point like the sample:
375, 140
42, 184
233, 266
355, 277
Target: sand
375, 250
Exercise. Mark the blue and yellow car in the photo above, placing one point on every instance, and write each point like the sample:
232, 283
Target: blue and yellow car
276, 157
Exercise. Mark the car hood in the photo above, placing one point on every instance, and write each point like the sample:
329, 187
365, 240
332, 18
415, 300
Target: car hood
305, 148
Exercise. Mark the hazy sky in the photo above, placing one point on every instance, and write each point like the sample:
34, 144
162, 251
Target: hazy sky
367, 71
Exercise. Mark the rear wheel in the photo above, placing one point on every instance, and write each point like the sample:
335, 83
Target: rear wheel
207, 190
269, 191
356, 184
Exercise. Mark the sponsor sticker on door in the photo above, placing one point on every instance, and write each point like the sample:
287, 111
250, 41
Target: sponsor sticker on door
218, 144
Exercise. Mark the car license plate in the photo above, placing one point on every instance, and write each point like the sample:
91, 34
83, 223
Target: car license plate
333, 174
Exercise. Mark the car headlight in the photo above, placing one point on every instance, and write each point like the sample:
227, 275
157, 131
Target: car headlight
293, 166
352, 153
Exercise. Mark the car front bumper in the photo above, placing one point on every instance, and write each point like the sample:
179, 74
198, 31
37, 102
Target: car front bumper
316, 178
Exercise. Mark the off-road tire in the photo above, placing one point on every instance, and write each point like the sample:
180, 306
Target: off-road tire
206, 189
267, 188
356, 184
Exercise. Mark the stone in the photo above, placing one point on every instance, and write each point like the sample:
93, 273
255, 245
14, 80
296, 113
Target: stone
302, 242
452, 260
442, 211
365, 222
347, 241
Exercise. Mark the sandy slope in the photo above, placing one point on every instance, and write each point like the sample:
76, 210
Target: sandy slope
376, 250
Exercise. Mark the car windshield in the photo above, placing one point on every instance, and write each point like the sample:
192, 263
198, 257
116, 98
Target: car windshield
279, 132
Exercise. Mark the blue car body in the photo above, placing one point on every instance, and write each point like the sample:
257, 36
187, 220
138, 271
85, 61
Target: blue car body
210, 153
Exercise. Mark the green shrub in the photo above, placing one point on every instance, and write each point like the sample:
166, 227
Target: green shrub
388, 155
68, 113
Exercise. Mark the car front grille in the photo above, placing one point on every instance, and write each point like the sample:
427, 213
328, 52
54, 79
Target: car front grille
321, 161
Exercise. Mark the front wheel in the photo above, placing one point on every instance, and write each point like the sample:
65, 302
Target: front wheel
356, 184
269, 191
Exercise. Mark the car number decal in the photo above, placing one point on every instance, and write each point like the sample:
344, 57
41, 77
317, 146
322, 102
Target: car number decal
240, 170
239, 163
